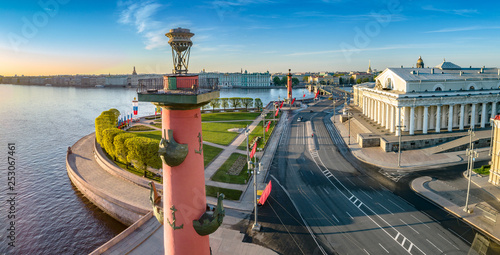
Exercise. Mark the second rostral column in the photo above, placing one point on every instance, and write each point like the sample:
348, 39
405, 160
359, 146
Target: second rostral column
187, 222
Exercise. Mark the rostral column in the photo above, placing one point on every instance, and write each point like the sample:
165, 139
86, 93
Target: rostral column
182, 208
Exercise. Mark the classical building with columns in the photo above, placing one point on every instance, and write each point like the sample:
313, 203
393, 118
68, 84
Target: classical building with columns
444, 98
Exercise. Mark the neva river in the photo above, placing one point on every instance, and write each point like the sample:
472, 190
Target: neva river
51, 215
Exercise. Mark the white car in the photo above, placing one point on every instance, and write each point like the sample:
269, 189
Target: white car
299, 119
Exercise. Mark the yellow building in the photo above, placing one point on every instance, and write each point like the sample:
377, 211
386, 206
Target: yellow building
495, 152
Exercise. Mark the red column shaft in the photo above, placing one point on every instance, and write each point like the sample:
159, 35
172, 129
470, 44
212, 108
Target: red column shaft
184, 186
289, 85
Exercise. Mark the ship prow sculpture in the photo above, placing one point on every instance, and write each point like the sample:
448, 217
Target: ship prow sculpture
211, 220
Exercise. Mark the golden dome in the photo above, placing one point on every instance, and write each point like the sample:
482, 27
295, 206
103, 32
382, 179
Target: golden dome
420, 62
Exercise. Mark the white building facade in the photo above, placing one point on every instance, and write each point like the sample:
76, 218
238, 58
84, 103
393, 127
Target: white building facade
445, 98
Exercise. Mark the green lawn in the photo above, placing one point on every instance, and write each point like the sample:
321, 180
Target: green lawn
484, 170
217, 132
229, 194
153, 134
258, 132
222, 176
209, 153
140, 128
229, 116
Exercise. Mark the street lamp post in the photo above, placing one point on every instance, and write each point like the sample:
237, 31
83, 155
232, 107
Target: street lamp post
471, 155
247, 134
263, 124
349, 120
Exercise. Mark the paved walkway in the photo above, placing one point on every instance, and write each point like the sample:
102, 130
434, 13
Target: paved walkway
118, 188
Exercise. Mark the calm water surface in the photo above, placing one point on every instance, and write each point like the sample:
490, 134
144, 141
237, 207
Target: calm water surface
52, 216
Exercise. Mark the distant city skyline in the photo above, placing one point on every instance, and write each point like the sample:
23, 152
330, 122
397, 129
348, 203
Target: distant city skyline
57, 37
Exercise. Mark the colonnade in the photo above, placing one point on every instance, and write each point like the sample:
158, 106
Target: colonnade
422, 117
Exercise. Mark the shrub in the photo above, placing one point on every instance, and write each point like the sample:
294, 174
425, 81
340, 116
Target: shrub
121, 149
107, 119
143, 152
108, 138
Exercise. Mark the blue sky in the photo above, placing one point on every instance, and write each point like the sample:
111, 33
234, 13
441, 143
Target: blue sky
95, 37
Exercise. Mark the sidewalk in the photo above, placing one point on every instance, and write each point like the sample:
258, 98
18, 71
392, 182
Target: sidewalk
482, 215
410, 159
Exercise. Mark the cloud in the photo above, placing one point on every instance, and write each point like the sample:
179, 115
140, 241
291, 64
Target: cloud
141, 15
460, 29
461, 12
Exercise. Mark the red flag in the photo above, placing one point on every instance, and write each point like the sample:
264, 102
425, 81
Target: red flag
282, 104
304, 95
293, 100
265, 194
277, 111
268, 125
254, 149
317, 93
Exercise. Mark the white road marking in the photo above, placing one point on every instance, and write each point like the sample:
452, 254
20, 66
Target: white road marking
448, 241
396, 204
383, 248
409, 226
432, 218
351, 181
420, 221
459, 236
366, 194
366, 252
385, 208
434, 245
326, 191
349, 215
335, 218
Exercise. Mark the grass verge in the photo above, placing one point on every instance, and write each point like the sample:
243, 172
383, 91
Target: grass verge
222, 116
140, 128
483, 170
258, 132
222, 176
230, 194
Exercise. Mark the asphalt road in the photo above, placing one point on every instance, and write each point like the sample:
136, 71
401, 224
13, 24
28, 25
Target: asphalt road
344, 205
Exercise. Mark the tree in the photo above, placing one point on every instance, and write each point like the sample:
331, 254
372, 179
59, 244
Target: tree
284, 80
121, 150
258, 104
351, 80
108, 138
205, 106
358, 81
224, 102
322, 82
295, 81
366, 79
215, 103
340, 80
305, 79
276, 81
142, 151
235, 102
247, 101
